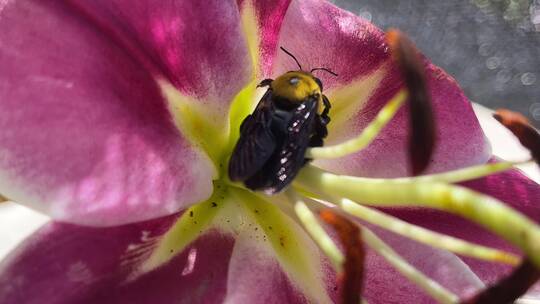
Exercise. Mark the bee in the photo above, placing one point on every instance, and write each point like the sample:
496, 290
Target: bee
290, 117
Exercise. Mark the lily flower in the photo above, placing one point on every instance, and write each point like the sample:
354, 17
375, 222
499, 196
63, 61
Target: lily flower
119, 117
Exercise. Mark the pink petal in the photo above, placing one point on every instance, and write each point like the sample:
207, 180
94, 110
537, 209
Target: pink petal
256, 277
197, 46
269, 17
320, 34
510, 187
384, 284
64, 263
84, 132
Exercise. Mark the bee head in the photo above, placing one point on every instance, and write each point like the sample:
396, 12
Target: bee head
295, 86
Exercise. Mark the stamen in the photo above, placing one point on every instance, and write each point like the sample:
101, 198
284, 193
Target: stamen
349, 235
316, 231
422, 122
410, 272
464, 174
430, 286
510, 288
427, 236
486, 211
519, 125
3, 199
366, 137
455, 176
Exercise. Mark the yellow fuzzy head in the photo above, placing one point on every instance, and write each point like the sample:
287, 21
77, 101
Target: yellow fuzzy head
295, 86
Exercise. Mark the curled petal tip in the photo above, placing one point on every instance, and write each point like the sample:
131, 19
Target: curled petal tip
510, 288
521, 128
422, 122
353, 267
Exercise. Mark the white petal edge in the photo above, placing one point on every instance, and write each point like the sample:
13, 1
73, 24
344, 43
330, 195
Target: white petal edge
503, 143
16, 223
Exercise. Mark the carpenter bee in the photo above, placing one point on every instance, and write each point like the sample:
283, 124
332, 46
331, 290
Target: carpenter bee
290, 117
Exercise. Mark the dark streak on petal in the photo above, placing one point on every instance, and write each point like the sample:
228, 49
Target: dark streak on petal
519, 125
422, 122
349, 235
510, 288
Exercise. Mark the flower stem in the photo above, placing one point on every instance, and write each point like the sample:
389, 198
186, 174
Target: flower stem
486, 211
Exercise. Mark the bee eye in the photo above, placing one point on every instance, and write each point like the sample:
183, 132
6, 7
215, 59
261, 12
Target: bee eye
294, 80
319, 82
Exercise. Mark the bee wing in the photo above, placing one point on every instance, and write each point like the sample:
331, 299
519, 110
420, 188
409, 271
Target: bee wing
289, 157
256, 143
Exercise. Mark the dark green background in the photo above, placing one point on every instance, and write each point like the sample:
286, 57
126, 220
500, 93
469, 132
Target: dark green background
491, 47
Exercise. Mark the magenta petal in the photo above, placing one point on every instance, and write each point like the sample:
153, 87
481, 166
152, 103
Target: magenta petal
510, 187
64, 263
269, 16
384, 284
256, 277
84, 133
460, 141
320, 34
196, 45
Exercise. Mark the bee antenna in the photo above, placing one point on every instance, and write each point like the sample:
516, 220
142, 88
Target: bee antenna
288, 53
323, 69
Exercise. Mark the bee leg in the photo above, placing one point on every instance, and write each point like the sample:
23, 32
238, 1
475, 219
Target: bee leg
320, 125
265, 83
327, 107
246, 122
323, 120
320, 131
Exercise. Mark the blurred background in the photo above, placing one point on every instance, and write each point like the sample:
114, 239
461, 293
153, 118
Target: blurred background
492, 47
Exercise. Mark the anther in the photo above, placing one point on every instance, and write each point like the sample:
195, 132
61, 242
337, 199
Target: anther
510, 288
422, 123
353, 266
520, 127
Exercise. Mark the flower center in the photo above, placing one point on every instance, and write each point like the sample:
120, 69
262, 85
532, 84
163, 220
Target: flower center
268, 220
